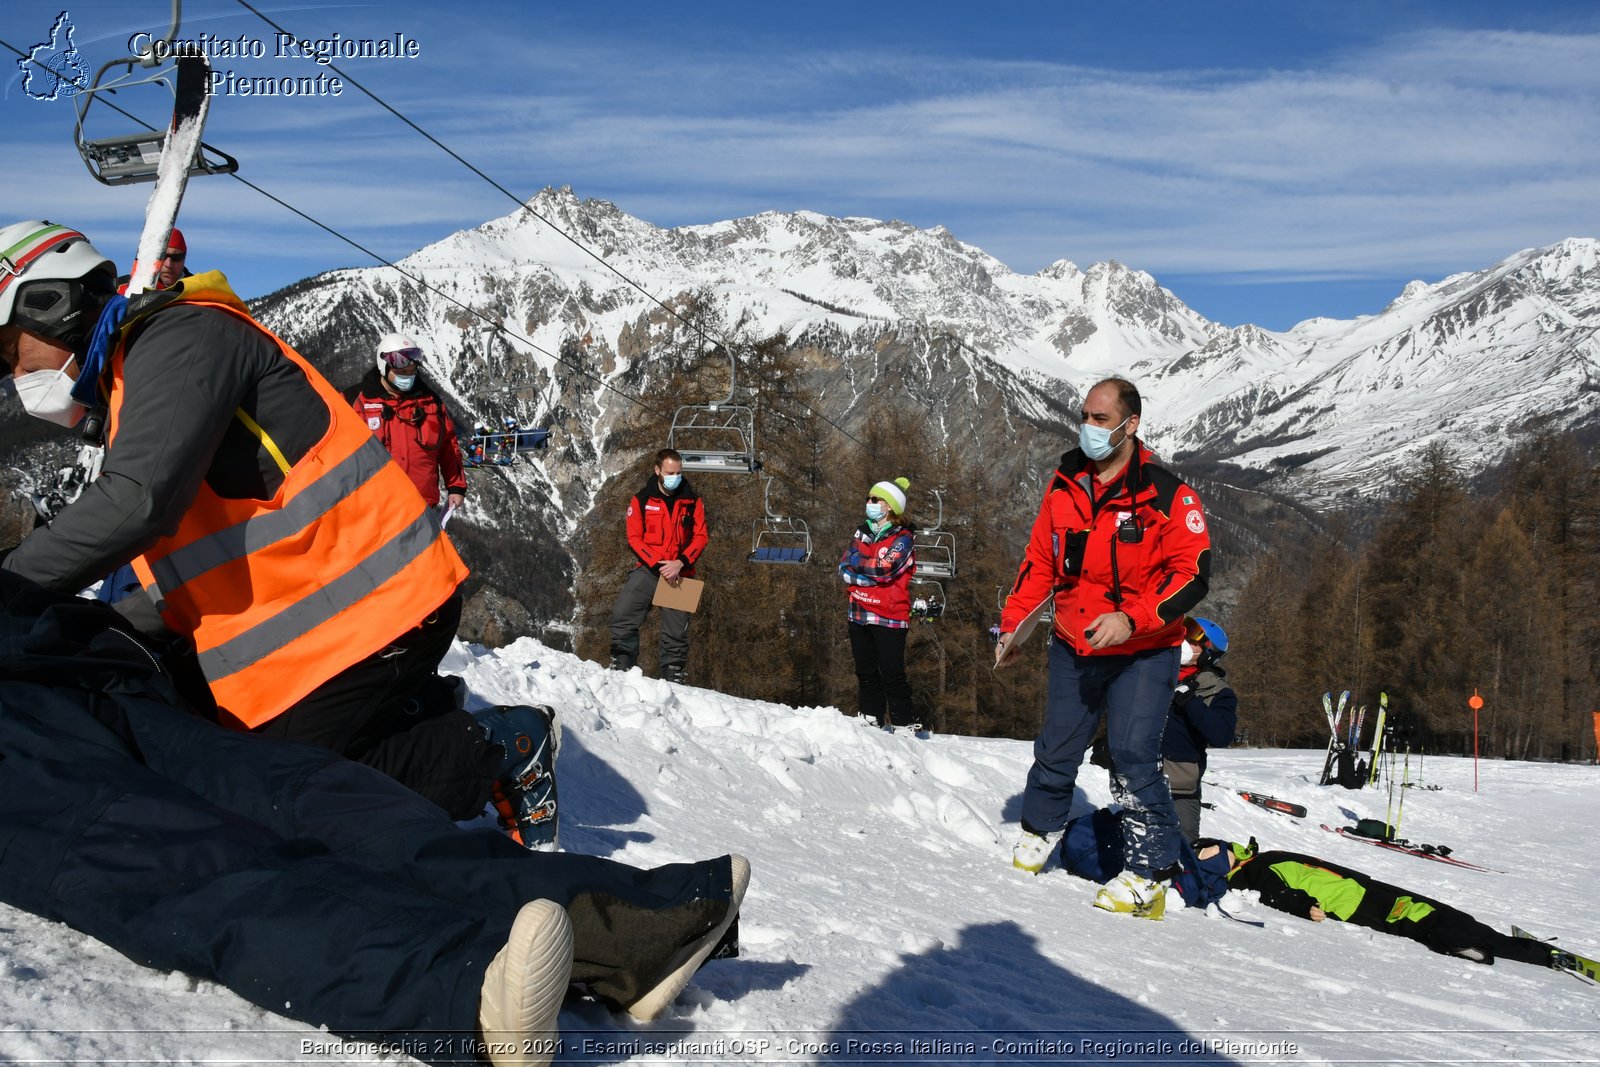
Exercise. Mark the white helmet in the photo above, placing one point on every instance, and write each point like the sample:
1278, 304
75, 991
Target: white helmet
52, 281
395, 350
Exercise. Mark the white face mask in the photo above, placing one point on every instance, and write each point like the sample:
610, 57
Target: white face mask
1189, 655
47, 395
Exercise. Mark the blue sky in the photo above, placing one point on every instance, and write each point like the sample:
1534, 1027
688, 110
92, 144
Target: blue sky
1266, 161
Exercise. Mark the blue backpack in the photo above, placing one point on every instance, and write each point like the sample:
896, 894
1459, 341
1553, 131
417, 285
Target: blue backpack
1091, 848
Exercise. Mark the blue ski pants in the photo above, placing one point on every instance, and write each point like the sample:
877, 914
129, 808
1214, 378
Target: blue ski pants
1133, 693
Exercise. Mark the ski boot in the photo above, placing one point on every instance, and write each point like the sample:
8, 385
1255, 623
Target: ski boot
524, 794
1032, 851
1133, 894
675, 673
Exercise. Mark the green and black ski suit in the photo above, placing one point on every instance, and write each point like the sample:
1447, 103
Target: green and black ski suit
1295, 883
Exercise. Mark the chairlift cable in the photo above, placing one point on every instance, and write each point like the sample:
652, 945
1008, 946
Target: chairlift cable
563, 233
385, 262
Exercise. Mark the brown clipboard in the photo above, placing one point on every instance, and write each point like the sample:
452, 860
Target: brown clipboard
1029, 621
685, 596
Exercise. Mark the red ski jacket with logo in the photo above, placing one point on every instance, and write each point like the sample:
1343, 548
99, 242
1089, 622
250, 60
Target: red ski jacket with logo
1139, 545
417, 431
879, 572
665, 526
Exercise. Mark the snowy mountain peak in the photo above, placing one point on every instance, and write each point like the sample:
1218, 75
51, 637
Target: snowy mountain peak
1439, 361
1061, 269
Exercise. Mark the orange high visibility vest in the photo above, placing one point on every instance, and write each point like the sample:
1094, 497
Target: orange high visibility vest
280, 595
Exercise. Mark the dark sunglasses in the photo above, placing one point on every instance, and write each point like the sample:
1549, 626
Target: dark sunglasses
177, 256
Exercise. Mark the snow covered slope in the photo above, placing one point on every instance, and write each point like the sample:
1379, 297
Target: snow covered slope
884, 909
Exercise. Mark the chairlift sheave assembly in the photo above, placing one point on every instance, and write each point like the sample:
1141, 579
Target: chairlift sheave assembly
126, 158
778, 538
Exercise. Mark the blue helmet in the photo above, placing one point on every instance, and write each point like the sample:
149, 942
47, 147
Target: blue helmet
1214, 634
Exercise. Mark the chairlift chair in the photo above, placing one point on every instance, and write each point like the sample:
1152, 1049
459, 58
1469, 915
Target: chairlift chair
136, 157
716, 438
936, 548
778, 538
126, 158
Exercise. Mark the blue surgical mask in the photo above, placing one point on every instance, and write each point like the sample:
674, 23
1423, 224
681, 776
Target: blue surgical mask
876, 512
670, 482
1096, 441
403, 382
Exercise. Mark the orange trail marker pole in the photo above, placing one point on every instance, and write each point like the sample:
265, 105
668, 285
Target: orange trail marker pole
1475, 702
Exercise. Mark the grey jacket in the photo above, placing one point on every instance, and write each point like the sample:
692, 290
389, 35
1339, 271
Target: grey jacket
187, 372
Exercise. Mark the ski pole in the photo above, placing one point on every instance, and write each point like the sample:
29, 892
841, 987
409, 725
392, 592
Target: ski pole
1405, 782
1389, 812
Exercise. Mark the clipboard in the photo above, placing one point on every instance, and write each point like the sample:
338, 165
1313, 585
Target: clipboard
1029, 621
686, 597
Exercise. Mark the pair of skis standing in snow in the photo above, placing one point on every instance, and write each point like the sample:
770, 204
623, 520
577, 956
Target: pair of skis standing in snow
1343, 763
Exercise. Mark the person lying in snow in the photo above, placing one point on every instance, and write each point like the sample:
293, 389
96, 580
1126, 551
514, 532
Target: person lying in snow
311, 885
1306, 886
1315, 889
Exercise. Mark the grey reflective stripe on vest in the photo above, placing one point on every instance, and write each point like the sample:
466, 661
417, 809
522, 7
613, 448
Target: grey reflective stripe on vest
238, 541
317, 607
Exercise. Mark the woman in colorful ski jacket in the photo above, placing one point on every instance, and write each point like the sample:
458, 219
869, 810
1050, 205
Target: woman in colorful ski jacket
411, 421
1121, 546
878, 566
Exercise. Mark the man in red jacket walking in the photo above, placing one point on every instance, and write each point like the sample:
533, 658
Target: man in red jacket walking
1121, 544
667, 532
411, 420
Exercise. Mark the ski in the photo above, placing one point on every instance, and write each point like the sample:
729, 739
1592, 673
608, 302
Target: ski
1333, 737
1284, 807
1377, 738
1574, 964
190, 105
1427, 852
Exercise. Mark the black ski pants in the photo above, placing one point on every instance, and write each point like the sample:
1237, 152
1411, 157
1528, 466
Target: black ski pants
633, 603
392, 712
880, 655
1445, 929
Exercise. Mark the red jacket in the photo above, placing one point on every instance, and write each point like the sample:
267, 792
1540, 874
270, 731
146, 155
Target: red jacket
879, 572
1156, 571
663, 526
418, 432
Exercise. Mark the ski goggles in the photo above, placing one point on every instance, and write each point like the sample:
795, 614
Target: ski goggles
402, 358
55, 308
